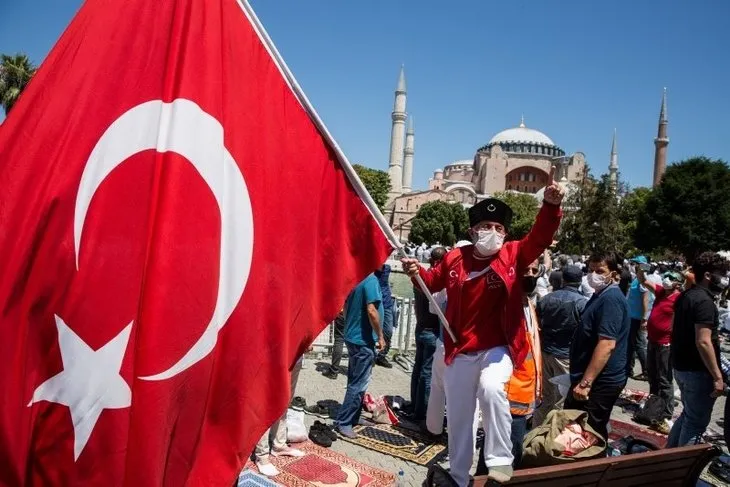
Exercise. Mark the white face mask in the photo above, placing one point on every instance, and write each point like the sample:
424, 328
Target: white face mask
488, 242
597, 281
667, 283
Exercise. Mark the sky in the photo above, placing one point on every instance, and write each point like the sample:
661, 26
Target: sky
575, 69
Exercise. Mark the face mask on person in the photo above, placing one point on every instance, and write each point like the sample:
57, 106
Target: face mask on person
667, 284
529, 283
598, 282
488, 242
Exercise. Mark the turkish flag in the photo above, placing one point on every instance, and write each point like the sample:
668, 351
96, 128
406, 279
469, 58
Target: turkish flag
174, 232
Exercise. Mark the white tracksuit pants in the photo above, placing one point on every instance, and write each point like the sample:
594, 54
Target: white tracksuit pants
482, 375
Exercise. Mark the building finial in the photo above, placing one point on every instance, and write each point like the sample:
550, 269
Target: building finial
401, 80
663, 112
522, 121
613, 145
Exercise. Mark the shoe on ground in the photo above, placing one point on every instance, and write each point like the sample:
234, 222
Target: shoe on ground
330, 374
383, 362
287, 451
298, 403
642, 377
317, 410
319, 437
346, 431
501, 474
325, 429
267, 468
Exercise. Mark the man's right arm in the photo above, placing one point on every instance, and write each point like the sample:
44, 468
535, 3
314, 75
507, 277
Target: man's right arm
434, 278
374, 318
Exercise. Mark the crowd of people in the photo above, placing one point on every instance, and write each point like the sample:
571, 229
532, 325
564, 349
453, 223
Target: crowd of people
524, 320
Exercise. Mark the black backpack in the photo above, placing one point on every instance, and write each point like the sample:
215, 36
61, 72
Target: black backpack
651, 412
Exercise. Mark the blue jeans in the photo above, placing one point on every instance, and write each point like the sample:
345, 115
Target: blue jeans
421, 375
387, 330
359, 370
638, 342
697, 402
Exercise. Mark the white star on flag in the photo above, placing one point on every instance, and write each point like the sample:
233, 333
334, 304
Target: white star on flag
89, 383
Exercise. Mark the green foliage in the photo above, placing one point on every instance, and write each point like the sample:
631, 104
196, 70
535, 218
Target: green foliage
689, 212
524, 208
592, 218
377, 183
439, 222
15, 73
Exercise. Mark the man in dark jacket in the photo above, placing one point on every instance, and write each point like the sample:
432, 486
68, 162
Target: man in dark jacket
427, 333
559, 315
383, 275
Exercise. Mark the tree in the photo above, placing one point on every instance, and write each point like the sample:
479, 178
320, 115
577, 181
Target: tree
689, 212
439, 222
377, 183
591, 222
631, 207
524, 208
15, 73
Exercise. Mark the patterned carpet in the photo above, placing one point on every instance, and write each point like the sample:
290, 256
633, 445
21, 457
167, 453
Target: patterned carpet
407, 444
321, 467
249, 478
620, 429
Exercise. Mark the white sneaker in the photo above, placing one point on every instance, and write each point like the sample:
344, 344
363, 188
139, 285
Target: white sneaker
267, 469
287, 451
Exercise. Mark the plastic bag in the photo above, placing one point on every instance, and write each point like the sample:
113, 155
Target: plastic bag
296, 432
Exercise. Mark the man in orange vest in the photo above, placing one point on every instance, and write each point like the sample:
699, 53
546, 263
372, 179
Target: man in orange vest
524, 386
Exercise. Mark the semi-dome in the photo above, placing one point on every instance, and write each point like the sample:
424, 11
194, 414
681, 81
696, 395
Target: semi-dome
462, 162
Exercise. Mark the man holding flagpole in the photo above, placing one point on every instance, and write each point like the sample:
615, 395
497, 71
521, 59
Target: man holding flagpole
483, 283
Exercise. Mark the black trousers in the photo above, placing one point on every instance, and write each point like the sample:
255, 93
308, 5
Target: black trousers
599, 405
339, 333
661, 377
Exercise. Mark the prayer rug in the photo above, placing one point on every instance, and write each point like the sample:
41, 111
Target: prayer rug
620, 429
399, 442
321, 467
249, 478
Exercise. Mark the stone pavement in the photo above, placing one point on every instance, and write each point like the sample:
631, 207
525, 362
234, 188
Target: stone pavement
314, 387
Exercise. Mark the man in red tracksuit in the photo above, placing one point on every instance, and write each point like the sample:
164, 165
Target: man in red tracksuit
483, 284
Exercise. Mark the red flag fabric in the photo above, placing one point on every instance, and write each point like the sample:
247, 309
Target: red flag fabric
174, 232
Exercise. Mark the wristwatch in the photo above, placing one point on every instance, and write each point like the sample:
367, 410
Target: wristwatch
586, 384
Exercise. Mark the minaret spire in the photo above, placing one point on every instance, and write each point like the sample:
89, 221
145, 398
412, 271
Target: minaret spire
397, 133
408, 157
613, 165
661, 142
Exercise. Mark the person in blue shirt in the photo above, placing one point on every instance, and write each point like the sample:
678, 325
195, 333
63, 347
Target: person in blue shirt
599, 351
363, 335
640, 304
383, 274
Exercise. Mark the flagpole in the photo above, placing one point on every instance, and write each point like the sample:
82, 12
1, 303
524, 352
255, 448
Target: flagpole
351, 174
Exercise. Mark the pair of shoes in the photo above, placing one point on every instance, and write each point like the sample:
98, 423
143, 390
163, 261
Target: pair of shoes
267, 468
298, 403
330, 374
642, 377
346, 431
325, 429
662, 427
383, 361
320, 437
287, 451
318, 410
501, 474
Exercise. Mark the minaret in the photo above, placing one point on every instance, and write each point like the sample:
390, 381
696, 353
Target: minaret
660, 143
613, 165
395, 166
408, 158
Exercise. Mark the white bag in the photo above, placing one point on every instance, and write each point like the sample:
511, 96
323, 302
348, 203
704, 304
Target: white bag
296, 432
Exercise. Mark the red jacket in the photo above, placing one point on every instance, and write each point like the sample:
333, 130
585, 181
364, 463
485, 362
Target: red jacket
509, 264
